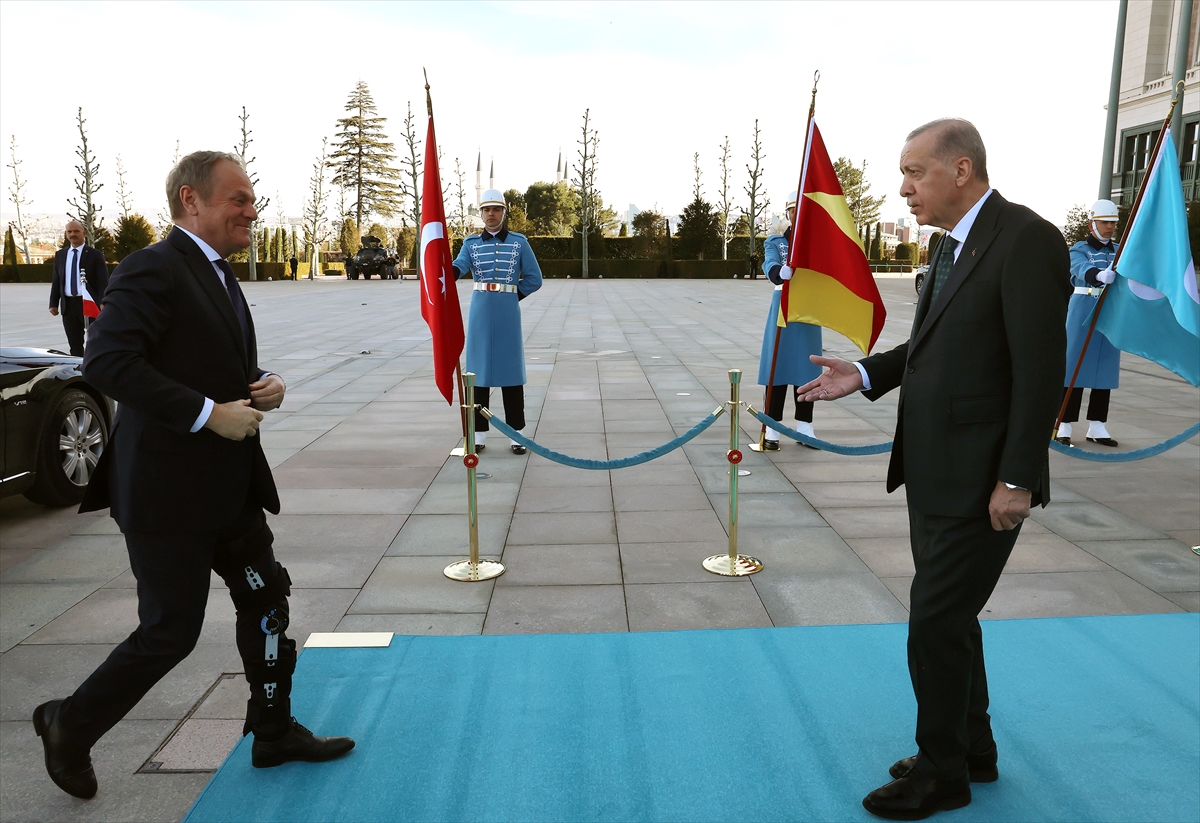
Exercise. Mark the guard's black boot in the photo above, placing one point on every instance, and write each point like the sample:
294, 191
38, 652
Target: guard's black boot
297, 743
69, 765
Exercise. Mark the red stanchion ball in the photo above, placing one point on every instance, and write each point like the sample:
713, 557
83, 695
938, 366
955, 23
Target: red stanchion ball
470, 460
735, 456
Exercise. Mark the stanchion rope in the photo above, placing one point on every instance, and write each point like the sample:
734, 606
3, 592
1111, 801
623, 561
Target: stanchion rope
1125, 457
1070, 451
601, 465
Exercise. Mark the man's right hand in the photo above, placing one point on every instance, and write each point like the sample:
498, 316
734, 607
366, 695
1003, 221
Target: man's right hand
234, 421
54, 310
840, 378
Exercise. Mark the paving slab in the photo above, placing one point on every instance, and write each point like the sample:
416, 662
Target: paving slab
556, 610
680, 606
565, 565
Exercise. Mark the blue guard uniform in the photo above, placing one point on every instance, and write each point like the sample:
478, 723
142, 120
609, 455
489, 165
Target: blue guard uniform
796, 342
505, 272
1101, 367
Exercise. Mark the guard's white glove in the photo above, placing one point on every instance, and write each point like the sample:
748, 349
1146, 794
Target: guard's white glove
785, 273
1106, 276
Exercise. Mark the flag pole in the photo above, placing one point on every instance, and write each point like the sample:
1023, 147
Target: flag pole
762, 435
1062, 411
458, 378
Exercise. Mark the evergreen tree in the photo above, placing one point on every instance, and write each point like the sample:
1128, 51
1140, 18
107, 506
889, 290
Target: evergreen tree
11, 257
863, 207
104, 241
876, 243
1079, 224
133, 232
699, 230
294, 248
380, 231
362, 156
348, 238
264, 249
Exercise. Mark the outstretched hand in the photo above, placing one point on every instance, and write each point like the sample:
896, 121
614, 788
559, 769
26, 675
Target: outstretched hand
840, 378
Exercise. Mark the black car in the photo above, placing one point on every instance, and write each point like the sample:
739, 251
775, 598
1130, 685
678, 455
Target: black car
53, 426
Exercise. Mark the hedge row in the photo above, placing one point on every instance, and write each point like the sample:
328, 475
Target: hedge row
617, 248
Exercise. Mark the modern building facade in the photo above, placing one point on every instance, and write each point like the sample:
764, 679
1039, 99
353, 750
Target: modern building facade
1153, 37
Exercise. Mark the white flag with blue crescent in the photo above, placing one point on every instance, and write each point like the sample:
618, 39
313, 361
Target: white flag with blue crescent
1153, 309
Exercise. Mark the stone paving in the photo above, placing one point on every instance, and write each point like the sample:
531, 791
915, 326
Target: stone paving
373, 509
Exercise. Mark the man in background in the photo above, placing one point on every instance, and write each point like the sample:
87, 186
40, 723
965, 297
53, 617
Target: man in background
71, 264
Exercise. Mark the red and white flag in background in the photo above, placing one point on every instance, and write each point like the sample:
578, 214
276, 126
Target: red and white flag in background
90, 309
439, 296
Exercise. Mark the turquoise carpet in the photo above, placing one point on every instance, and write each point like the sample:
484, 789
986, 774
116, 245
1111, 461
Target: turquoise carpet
1096, 719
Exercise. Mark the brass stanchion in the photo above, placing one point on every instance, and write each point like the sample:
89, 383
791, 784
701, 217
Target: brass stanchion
733, 564
473, 569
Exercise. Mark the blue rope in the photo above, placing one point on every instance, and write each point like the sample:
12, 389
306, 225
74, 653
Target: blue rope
877, 448
1125, 457
600, 465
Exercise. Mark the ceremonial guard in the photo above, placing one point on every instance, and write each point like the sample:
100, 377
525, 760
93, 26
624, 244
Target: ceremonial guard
505, 271
1091, 271
796, 340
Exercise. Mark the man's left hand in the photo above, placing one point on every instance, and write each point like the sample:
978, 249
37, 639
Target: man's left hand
267, 394
1008, 507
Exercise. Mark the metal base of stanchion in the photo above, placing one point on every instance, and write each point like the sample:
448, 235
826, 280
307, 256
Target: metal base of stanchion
744, 565
742, 472
468, 572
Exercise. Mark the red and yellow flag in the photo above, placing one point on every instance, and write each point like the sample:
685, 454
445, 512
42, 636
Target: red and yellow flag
832, 284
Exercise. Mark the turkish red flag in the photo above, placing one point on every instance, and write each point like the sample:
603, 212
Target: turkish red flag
439, 296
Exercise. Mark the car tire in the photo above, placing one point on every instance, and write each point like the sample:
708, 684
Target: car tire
74, 436
919, 282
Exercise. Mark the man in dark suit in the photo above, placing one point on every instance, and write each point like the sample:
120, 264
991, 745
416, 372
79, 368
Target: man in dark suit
185, 476
66, 296
979, 388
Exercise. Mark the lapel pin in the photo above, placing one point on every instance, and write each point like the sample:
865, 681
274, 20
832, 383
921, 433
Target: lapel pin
973, 252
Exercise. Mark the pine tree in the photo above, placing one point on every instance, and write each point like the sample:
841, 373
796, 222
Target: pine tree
133, 232
11, 257
362, 156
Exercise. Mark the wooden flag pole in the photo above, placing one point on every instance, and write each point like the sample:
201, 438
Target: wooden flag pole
1062, 411
762, 435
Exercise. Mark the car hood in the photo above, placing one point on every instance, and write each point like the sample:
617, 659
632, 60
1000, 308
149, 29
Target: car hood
38, 358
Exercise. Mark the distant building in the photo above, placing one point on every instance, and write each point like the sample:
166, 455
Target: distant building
1152, 40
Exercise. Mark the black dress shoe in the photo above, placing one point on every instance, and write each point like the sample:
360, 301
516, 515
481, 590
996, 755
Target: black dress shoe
297, 744
915, 797
519, 449
770, 445
1103, 441
1066, 441
70, 766
479, 447
980, 767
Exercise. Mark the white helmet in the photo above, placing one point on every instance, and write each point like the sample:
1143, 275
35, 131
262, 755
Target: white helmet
791, 202
1105, 210
493, 197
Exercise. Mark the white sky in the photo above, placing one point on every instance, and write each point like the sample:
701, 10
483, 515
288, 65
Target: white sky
662, 80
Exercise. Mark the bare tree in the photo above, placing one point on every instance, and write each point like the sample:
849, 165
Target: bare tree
585, 183
315, 226
696, 169
725, 203
16, 195
460, 194
757, 193
164, 217
411, 166
123, 195
261, 203
86, 211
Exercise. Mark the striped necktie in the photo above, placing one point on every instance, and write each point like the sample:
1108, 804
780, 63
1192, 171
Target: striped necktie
945, 263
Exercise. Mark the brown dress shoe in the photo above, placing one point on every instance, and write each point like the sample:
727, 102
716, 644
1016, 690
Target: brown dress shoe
915, 797
298, 743
69, 765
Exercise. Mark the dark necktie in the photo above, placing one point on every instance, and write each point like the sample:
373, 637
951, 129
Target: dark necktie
75, 292
235, 297
945, 263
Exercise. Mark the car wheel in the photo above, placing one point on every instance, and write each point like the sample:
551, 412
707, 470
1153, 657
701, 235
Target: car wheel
73, 438
920, 281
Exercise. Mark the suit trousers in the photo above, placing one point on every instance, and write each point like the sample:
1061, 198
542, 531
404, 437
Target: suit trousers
958, 561
72, 320
779, 395
173, 574
1097, 405
514, 406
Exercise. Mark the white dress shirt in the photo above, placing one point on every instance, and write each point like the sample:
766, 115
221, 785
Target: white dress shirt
70, 285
